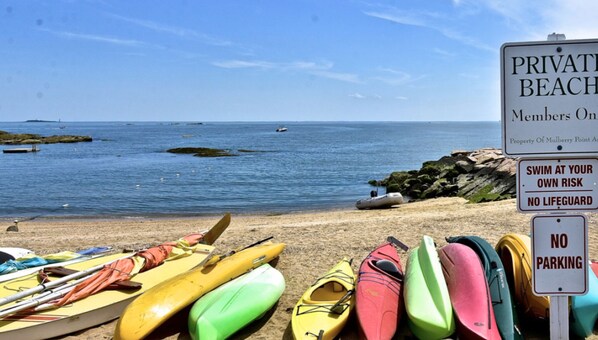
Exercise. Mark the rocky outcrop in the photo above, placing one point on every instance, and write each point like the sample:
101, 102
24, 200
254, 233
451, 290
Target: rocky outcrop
202, 152
28, 138
480, 176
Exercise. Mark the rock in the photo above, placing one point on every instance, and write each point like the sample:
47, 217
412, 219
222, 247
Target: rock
28, 138
480, 176
202, 152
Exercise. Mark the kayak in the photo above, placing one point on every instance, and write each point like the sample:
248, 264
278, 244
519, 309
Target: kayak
514, 251
427, 300
469, 292
380, 202
594, 265
378, 296
584, 308
12, 253
32, 263
156, 305
504, 309
235, 304
324, 309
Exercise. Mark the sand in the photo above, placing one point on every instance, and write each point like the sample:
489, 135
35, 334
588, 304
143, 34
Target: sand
315, 241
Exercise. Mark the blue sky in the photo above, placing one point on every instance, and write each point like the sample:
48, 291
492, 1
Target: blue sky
273, 60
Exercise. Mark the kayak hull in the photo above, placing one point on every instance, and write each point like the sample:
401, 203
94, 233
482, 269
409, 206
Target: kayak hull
154, 307
230, 307
584, 308
378, 297
504, 309
427, 300
469, 292
315, 314
514, 251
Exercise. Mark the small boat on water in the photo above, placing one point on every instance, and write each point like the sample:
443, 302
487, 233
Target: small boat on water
380, 202
33, 148
281, 129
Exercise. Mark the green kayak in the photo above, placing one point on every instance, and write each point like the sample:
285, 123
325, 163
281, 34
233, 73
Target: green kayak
427, 300
504, 309
230, 307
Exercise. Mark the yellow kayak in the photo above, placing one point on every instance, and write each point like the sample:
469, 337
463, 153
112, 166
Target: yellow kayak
324, 308
154, 307
92, 310
515, 252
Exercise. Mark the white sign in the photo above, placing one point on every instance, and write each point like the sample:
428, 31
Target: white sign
560, 254
548, 185
550, 98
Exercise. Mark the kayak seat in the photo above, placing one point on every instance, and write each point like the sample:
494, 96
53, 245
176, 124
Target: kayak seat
390, 268
330, 291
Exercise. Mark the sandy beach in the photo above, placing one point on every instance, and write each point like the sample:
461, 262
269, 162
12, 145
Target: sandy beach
315, 241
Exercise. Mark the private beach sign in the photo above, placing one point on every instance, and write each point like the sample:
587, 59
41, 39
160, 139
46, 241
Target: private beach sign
550, 98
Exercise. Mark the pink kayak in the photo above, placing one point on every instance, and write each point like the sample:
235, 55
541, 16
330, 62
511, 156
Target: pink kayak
594, 265
379, 293
469, 292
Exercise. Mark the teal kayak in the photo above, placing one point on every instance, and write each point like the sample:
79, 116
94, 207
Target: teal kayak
584, 308
504, 309
427, 300
235, 304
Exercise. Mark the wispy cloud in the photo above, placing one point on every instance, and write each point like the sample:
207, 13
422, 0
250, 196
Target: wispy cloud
444, 53
174, 30
97, 38
322, 69
430, 20
360, 96
357, 95
346, 77
395, 77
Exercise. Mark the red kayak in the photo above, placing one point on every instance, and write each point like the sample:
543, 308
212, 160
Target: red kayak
379, 292
469, 292
594, 265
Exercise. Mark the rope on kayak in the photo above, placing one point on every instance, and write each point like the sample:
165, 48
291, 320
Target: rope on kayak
328, 309
337, 275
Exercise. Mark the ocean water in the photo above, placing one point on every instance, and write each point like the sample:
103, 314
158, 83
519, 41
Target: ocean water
126, 170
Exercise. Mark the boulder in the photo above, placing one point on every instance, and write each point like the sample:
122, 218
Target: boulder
480, 176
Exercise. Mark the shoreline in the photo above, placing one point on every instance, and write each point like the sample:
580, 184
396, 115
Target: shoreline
315, 240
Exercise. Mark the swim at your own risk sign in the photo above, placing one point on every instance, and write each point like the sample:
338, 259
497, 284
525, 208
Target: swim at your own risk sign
550, 98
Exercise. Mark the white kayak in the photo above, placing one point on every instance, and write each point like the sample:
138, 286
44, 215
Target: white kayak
380, 202
11, 253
